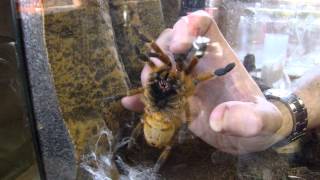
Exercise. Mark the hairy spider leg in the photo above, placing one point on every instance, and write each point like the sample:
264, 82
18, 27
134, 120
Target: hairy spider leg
162, 158
141, 35
146, 58
214, 74
157, 54
185, 123
120, 96
178, 137
135, 134
160, 54
165, 154
179, 58
192, 65
135, 91
138, 128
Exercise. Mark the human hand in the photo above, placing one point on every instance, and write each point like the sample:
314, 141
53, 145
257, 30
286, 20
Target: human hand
229, 112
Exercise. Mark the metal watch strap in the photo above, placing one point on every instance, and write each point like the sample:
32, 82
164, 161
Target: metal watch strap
298, 112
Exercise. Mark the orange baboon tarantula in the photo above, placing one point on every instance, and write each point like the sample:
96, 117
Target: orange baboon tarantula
166, 95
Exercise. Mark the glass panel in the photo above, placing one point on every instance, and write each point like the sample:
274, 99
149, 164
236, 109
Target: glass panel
94, 47
280, 34
17, 155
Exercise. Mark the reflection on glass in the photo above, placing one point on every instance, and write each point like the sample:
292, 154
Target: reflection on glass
17, 155
55, 6
282, 36
91, 49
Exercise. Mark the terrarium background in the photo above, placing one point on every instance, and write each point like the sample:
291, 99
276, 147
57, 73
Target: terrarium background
91, 52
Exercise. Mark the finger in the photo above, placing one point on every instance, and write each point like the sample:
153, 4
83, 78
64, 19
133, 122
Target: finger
235, 119
145, 75
164, 39
244, 119
133, 103
188, 28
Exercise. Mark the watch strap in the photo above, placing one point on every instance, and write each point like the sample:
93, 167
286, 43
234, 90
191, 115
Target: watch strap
298, 112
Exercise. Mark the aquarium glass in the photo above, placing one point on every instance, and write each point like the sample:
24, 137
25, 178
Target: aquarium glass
98, 49
17, 150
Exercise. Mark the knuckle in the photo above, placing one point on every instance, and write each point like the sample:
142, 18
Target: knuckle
165, 33
167, 30
198, 22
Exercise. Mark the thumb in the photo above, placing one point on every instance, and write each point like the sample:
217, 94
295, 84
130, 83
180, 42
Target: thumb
133, 103
242, 119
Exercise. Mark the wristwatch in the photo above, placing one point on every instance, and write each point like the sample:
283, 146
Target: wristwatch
298, 111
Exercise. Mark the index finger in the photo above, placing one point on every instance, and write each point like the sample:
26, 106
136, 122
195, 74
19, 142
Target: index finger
189, 27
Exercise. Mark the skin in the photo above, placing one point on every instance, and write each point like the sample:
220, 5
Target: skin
308, 89
230, 112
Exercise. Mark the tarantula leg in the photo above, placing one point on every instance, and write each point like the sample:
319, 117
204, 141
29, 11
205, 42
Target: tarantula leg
179, 58
120, 96
180, 137
162, 158
192, 65
204, 76
183, 131
158, 52
152, 65
146, 58
161, 55
153, 54
135, 91
140, 55
225, 70
135, 134
141, 36
216, 73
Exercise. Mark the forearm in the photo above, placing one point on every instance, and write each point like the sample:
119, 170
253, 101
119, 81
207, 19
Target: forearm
308, 89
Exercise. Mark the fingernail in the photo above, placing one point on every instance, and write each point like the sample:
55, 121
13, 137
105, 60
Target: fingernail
216, 119
215, 125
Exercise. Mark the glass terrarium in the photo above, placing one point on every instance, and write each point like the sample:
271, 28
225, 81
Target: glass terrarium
79, 59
